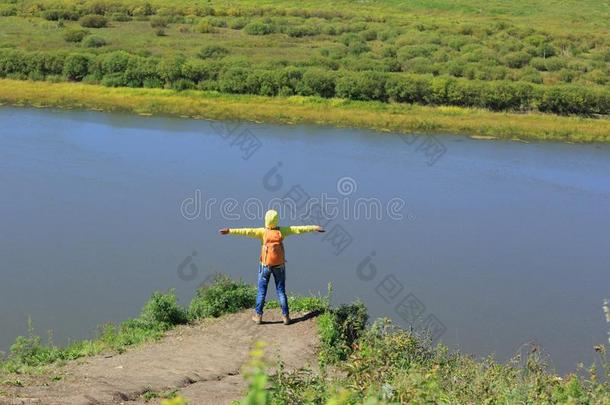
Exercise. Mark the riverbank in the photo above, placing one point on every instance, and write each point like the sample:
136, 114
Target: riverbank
328, 355
384, 117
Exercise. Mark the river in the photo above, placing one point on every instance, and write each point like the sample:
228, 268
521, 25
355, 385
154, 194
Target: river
494, 246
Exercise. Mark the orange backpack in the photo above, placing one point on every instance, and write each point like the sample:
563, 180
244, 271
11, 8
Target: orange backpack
272, 251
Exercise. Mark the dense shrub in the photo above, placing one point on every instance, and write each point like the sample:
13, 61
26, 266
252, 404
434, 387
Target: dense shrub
93, 42
303, 31
517, 59
212, 51
93, 21
368, 35
120, 17
163, 309
408, 88
237, 23
142, 72
75, 35
339, 329
221, 297
60, 14
7, 10
554, 64
273, 82
571, 99
170, 69
205, 27
481, 86
218, 22
317, 82
258, 28
507, 96
233, 80
530, 75
361, 86
198, 71
76, 67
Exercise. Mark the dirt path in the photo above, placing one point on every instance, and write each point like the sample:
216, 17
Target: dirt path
203, 362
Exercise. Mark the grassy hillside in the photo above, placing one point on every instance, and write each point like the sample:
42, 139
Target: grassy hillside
518, 56
358, 362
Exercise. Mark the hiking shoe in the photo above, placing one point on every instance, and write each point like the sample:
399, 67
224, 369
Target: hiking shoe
286, 320
258, 319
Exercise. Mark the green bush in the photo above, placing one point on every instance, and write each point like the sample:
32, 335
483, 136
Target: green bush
554, 64
339, 329
530, 75
368, 35
197, 71
7, 10
163, 309
60, 14
412, 51
302, 31
170, 69
120, 17
361, 86
142, 72
75, 35
258, 28
213, 51
237, 23
93, 21
517, 60
204, 27
76, 67
408, 88
223, 296
93, 42
218, 22
571, 99
317, 82
29, 351
233, 80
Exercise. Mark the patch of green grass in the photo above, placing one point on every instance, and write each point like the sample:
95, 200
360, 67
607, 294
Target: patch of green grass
223, 296
150, 395
339, 329
387, 365
305, 303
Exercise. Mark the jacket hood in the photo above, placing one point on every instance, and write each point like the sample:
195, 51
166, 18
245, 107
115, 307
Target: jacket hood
271, 219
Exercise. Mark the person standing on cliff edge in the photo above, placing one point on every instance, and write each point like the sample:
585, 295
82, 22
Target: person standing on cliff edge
272, 259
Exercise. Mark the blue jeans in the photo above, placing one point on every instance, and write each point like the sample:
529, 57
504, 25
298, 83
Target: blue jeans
279, 276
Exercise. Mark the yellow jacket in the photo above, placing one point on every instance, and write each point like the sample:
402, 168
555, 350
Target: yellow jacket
271, 221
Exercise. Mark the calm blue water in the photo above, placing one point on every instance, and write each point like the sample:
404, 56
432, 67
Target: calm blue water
501, 244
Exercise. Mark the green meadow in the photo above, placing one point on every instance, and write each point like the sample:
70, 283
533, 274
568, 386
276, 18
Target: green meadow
513, 57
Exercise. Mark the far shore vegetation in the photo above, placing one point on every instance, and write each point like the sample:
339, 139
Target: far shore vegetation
359, 361
487, 68
379, 116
